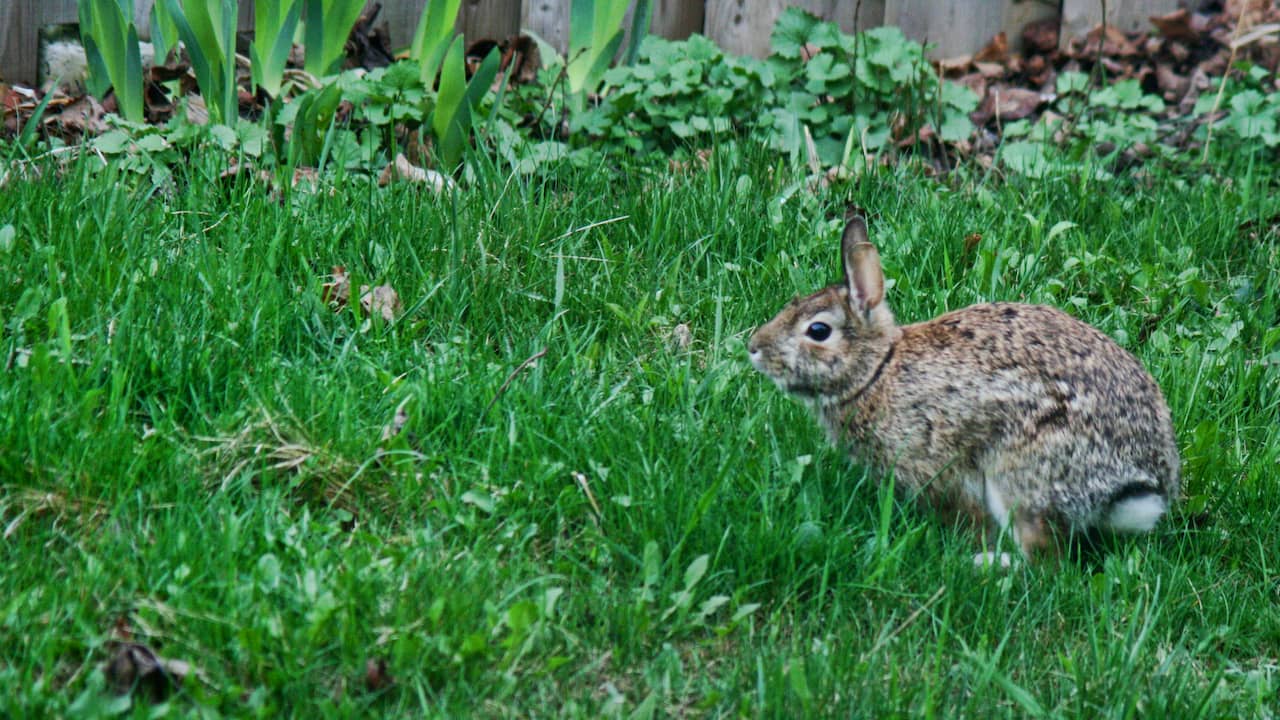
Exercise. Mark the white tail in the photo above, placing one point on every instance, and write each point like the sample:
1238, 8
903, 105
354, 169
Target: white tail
1136, 514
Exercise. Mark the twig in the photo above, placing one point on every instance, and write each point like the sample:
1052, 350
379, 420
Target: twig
906, 623
581, 479
561, 77
592, 225
527, 362
1222, 86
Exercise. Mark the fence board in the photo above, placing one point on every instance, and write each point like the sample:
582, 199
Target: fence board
744, 27
954, 27
1020, 14
18, 41
549, 20
1081, 16
869, 15
676, 19
492, 19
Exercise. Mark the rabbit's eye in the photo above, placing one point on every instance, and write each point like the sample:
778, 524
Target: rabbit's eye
818, 331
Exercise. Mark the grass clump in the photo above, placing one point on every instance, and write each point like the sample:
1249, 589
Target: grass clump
634, 522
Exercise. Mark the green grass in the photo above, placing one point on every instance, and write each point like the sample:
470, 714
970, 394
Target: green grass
191, 446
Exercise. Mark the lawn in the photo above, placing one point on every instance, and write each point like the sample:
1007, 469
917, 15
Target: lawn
595, 507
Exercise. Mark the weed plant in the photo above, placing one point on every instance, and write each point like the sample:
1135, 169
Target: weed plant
634, 523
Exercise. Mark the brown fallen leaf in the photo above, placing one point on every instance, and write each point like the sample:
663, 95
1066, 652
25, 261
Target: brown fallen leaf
1114, 42
376, 676
402, 169
235, 169
134, 666
953, 66
996, 51
197, 112
681, 337
1041, 36
989, 69
397, 423
81, 118
337, 291
1008, 103
1175, 25
383, 300
1173, 85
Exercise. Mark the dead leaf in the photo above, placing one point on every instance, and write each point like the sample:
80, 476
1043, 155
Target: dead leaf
989, 70
953, 66
306, 178
236, 168
681, 336
337, 291
197, 113
383, 300
975, 82
1041, 36
1010, 103
1175, 25
1102, 41
376, 676
80, 119
1172, 84
700, 161
996, 51
134, 666
397, 422
402, 169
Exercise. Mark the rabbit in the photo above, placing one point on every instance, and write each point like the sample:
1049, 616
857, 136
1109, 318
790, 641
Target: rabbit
1017, 417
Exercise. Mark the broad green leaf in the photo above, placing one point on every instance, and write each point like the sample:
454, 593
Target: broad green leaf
449, 98
431, 40
328, 24
696, 570
275, 22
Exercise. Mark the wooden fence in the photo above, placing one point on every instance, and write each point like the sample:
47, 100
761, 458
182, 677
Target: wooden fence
954, 27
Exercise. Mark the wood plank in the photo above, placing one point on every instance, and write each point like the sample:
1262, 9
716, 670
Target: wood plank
1081, 16
670, 19
1017, 15
20, 40
744, 27
953, 27
58, 12
549, 20
489, 19
870, 15
401, 18
674, 19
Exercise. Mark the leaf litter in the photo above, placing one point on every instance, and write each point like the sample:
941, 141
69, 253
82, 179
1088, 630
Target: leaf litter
381, 299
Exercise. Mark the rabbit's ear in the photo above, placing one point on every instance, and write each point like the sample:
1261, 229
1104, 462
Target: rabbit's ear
861, 267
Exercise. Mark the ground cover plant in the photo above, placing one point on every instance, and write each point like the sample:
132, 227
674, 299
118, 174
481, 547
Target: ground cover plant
553, 485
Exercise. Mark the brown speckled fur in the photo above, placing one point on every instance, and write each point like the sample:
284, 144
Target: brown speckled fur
1020, 400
